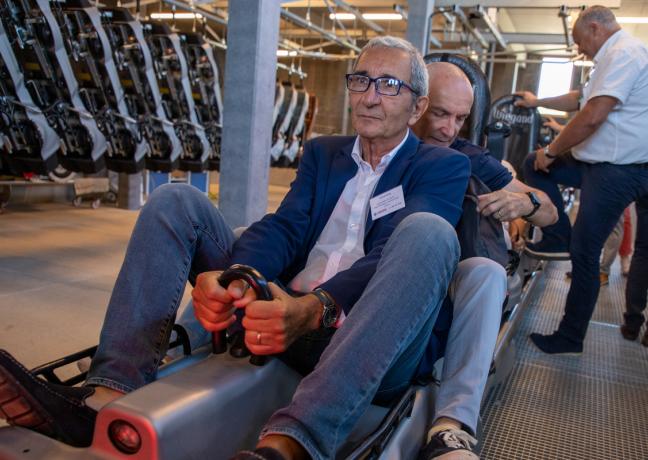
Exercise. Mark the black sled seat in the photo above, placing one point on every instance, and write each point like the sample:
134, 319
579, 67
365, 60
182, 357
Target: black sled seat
141, 92
32, 143
174, 83
45, 97
523, 128
101, 90
205, 89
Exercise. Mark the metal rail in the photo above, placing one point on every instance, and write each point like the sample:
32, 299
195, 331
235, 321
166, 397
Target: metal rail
302, 22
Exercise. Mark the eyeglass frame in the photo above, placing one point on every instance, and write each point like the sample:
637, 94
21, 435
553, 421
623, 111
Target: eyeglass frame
401, 83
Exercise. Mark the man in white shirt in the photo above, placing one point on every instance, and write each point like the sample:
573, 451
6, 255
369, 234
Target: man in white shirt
608, 162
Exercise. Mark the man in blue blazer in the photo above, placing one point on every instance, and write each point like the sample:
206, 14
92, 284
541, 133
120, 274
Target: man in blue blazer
363, 245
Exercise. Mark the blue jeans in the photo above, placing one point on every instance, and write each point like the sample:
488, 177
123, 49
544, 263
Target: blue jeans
637, 287
606, 190
178, 234
373, 355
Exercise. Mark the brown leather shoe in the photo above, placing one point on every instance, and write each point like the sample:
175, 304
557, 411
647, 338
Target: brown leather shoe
629, 333
604, 279
56, 411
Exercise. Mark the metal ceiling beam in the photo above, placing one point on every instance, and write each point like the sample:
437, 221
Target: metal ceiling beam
141, 3
531, 39
349, 9
296, 50
564, 16
319, 45
458, 12
296, 19
402, 11
519, 4
511, 38
360, 4
195, 9
217, 38
292, 70
310, 34
480, 14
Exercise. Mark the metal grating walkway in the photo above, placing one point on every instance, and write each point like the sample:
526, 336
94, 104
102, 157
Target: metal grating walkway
590, 407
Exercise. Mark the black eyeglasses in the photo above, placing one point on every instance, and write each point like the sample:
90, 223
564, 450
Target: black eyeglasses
386, 86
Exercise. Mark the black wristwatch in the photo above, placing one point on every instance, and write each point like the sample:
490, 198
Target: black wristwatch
330, 313
545, 150
535, 202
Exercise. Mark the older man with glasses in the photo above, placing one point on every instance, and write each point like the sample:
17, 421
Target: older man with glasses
363, 243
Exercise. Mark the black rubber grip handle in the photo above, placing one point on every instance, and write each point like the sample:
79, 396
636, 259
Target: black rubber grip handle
260, 286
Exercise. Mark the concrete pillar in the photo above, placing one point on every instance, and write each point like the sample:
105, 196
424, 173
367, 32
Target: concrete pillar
129, 194
250, 71
419, 23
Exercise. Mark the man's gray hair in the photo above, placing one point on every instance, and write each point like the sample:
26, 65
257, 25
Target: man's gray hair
419, 75
600, 14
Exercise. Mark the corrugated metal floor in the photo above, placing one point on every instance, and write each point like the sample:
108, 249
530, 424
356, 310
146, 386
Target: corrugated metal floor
592, 406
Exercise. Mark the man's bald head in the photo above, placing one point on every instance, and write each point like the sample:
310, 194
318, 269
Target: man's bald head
599, 14
451, 98
592, 29
447, 77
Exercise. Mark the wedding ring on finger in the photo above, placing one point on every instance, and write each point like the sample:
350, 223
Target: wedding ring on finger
245, 287
499, 215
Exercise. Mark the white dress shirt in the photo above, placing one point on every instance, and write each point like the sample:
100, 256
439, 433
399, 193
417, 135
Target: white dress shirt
620, 71
341, 242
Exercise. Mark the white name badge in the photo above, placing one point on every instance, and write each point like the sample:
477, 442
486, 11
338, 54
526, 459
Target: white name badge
386, 203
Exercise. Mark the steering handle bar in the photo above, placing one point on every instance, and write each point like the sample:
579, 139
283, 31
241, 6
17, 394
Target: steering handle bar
258, 283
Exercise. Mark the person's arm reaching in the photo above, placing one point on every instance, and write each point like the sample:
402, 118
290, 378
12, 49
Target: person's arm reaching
583, 125
567, 102
552, 124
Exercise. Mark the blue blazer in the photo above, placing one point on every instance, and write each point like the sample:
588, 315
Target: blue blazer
434, 179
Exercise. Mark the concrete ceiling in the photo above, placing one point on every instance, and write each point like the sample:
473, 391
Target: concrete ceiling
535, 28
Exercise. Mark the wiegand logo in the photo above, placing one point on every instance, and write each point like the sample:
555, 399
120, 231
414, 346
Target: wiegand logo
512, 118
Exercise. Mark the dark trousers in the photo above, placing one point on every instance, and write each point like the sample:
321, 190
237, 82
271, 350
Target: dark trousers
606, 190
637, 287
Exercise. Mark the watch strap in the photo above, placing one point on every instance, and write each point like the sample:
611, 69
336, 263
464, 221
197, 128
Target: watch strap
535, 202
328, 307
545, 150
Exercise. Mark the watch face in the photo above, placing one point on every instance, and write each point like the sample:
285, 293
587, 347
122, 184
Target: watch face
329, 316
327, 321
329, 309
